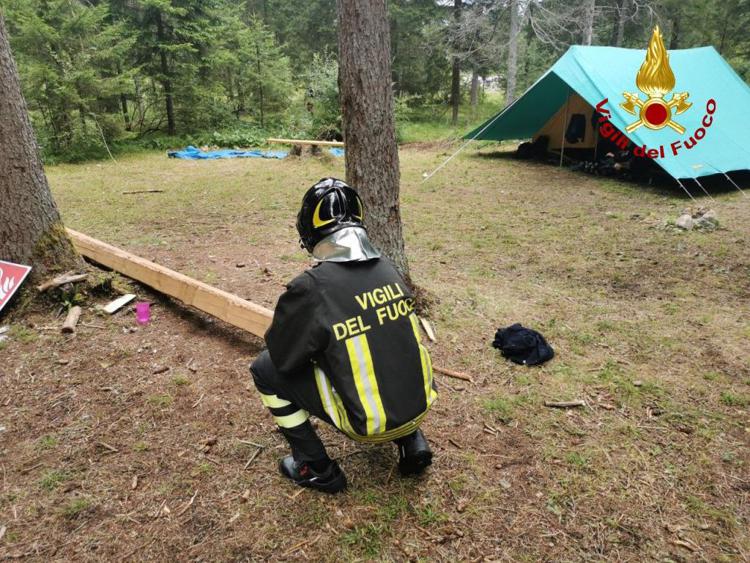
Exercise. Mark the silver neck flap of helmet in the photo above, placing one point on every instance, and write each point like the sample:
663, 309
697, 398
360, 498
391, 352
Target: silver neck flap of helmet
349, 244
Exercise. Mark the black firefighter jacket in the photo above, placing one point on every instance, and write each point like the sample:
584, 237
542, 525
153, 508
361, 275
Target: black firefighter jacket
353, 322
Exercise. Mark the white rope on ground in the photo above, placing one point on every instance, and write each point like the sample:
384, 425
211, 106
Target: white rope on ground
729, 178
735, 185
704, 189
462, 147
685, 190
106, 146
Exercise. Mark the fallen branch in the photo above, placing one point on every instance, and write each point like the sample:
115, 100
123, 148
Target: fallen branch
298, 546
565, 404
68, 277
690, 546
108, 447
143, 192
188, 505
248, 442
454, 374
71, 320
252, 458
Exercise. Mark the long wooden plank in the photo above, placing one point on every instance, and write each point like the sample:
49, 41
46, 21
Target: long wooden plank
221, 304
305, 142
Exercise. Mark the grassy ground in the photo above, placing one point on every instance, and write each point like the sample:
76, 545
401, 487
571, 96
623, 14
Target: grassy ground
103, 451
433, 123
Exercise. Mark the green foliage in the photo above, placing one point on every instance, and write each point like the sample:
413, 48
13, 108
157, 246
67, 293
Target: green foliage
101, 76
322, 97
160, 400
180, 380
52, 479
22, 334
124, 75
46, 442
76, 508
68, 55
504, 408
734, 400
140, 446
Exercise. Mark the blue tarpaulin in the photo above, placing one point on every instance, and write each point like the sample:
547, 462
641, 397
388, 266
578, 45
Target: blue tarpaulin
192, 153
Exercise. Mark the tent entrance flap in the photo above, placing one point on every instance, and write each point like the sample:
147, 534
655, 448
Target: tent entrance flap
523, 118
574, 130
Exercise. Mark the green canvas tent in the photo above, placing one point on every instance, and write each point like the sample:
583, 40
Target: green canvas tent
592, 75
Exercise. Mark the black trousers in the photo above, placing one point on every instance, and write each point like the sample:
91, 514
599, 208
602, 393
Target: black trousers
291, 400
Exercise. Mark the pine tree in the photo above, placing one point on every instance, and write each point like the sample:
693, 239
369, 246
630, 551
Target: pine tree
369, 130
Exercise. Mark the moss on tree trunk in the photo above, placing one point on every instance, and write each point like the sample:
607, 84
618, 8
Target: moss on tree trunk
31, 230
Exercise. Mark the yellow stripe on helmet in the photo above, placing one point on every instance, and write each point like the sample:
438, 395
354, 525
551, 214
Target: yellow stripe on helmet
317, 221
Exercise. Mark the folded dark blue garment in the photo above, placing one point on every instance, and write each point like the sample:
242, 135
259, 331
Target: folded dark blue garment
523, 345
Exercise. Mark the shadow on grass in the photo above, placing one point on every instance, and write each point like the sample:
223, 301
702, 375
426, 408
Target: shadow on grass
655, 181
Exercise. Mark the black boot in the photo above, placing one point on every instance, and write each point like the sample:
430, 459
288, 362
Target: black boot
329, 479
414, 453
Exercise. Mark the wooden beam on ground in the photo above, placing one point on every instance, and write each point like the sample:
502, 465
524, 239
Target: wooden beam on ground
306, 142
221, 304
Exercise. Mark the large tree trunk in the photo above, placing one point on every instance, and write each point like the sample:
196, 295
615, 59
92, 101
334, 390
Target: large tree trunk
588, 21
368, 124
456, 69
31, 231
510, 82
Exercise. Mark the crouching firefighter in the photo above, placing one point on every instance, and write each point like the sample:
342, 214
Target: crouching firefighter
344, 346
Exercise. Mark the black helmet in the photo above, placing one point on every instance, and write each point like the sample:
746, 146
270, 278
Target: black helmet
330, 205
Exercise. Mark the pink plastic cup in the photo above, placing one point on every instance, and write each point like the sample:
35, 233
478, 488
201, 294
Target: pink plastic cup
142, 312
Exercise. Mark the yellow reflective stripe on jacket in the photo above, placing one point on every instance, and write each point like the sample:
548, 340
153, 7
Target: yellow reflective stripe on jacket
346, 426
424, 356
332, 402
366, 384
334, 408
390, 435
273, 401
326, 396
292, 420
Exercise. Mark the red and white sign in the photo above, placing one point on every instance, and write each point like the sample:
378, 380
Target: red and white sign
11, 278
